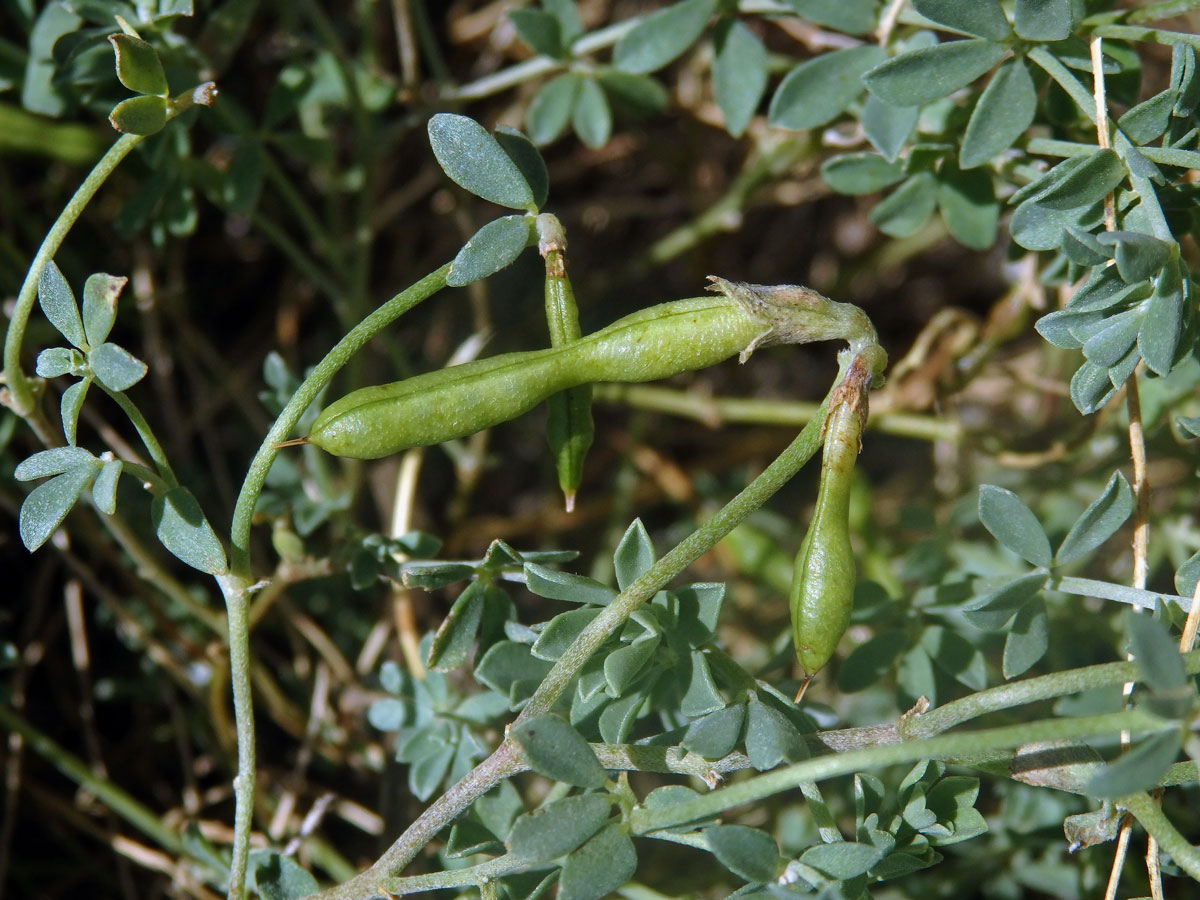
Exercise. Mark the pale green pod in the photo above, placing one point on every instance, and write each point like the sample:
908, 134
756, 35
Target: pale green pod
569, 426
650, 344
451, 403
822, 593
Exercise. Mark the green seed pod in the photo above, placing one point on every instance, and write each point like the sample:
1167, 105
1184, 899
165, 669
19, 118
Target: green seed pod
648, 345
451, 403
569, 427
822, 593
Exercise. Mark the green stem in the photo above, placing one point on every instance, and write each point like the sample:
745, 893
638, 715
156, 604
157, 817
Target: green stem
1031, 690
1164, 9
471, 875
1067, 81
237, 587
1148, 812
505, 761
700, 541
317, 380
237, 612
967, 744
1147, 35
121, 803
717, 411
18, 384
145, 432
1104, 590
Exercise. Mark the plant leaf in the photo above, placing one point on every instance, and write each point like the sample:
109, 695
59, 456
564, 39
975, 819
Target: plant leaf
1148, 120
771, 738
956, 656
634, 554
860, 173
557, 828
475, 161
69, 407
146, 114
58, 303
818, 90
54, 461
662, 36
115, 367
1045, 20
842, 860
1139, 256
521, 151
1086, 184
921, 76
1156, 653
700, 693
1003, 112
100, 293
554, 749
906, 210
55, 361
599, 867
992, 610
48, 503
624, 665
181, 527
550, 110
850, 16
452, 643
739, 74
1162, 325
278, 877
968, 204
1099, 521
981, 18
561, 631
540, 30
1091, 387
716, 734
592, 117
104, 488
1013, 524
618, 717
1110, 344
494, 246
746, 852
1028, 639
887, 127
556, 585
138, 65
1138, 770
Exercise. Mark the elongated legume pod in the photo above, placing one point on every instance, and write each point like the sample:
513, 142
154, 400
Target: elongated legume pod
822, 592
569, 426
654, 343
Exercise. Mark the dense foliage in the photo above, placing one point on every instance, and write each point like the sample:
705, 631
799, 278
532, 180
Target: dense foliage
444, 680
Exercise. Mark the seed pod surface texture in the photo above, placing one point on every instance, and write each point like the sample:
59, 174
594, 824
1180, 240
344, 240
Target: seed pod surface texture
451, 403
822, 592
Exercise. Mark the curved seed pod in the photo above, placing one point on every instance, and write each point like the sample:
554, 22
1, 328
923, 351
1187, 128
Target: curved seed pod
451, 403
654, 343
822, 592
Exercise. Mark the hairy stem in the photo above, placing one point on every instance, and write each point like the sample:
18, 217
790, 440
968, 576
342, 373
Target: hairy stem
237, 587
22, 394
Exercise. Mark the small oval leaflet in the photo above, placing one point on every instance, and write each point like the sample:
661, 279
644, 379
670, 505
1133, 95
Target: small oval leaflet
555, 749
474, 160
